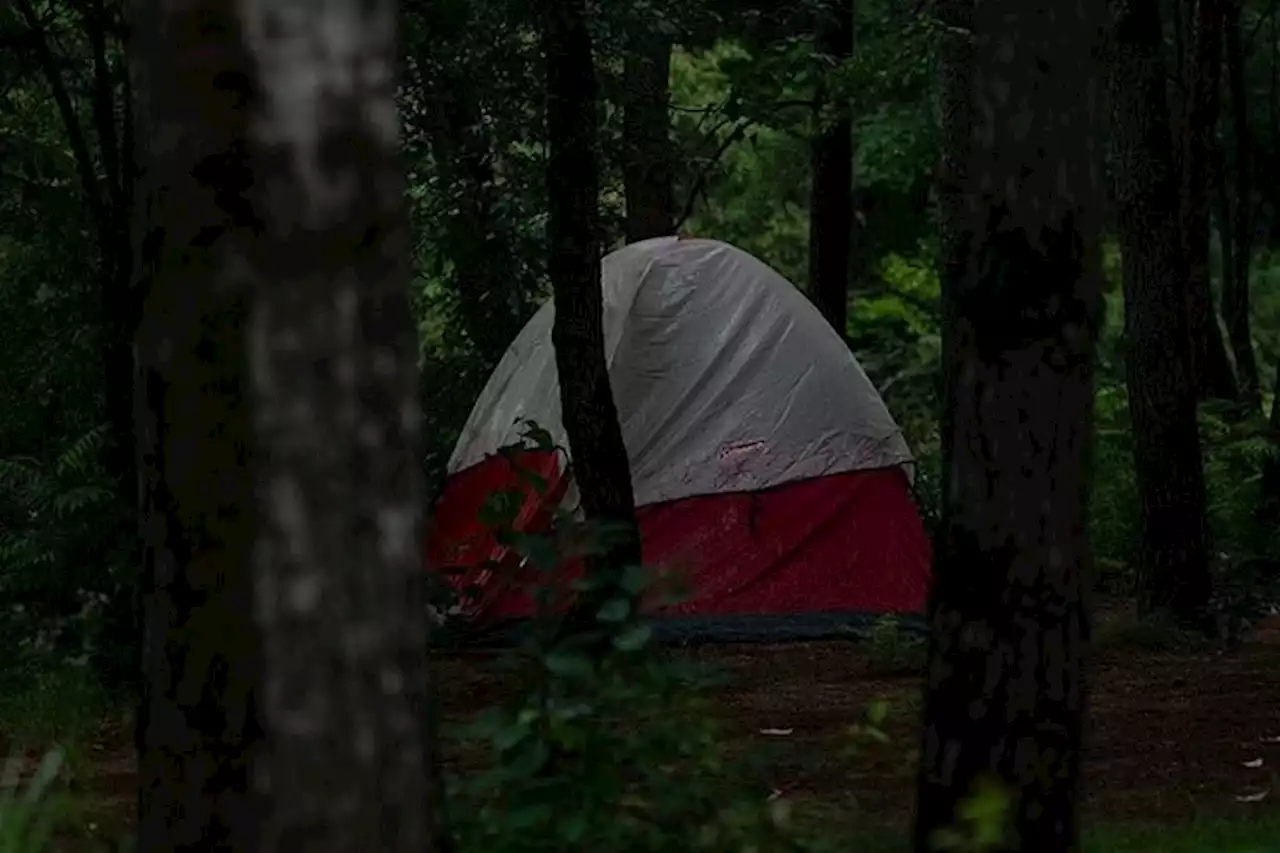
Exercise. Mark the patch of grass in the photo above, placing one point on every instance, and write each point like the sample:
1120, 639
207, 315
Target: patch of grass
32, 805
42, 706
892, 649
1205, 836
1150, 635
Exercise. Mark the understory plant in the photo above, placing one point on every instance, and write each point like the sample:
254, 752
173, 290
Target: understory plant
607, 744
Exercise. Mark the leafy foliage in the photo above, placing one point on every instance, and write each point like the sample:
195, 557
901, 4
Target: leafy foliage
615, 751
54, 582
30, 810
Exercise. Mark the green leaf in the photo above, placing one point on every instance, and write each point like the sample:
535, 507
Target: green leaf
635, 579
574, 829
510, 737
530, 760
633, 639
568, 664
615, 610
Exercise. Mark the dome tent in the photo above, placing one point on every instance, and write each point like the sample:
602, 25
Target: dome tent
765, 466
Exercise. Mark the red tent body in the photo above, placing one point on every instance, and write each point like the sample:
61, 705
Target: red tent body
842, 545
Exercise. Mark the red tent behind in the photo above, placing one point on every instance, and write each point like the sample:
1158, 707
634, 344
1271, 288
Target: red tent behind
850, 543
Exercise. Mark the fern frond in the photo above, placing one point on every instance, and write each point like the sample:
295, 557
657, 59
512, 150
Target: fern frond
78, 459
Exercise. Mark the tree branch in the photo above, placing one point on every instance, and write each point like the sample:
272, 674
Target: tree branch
700, 185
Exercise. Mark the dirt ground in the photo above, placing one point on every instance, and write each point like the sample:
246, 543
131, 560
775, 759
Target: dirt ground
1171, 736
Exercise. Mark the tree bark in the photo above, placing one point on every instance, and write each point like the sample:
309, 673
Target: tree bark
285, 648
601, 468
197, 728
1173, 548
1210, 366
1271, 468
831, 220
1235, 290
1022, 294
648, 167
1226, 234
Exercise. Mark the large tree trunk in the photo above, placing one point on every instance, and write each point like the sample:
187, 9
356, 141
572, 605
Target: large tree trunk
1173, 552
648, 158
1235, 287
1005, 693
285, 653
197, 730
831, 218
1196, 126
601, 468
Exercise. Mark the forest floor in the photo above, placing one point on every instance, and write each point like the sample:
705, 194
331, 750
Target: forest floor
1173, 736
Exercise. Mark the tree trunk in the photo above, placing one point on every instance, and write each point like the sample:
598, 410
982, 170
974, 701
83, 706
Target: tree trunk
284, 645
831, 218
1210, 366
601, 468
197, 729
1226, 235
1271, 468
1005, 691
648, 166
1235, 291
1173, 550
119, 303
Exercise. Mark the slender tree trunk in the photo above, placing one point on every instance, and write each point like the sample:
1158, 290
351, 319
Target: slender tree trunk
1271, 468
601, 467
119, 303
284, 649
831, 219
1273, 102
1173, 552
486, 284
955, 234
648, 166
1226, 235
1235, 291
1210, 365
1005, 693
491, 291
104, 184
